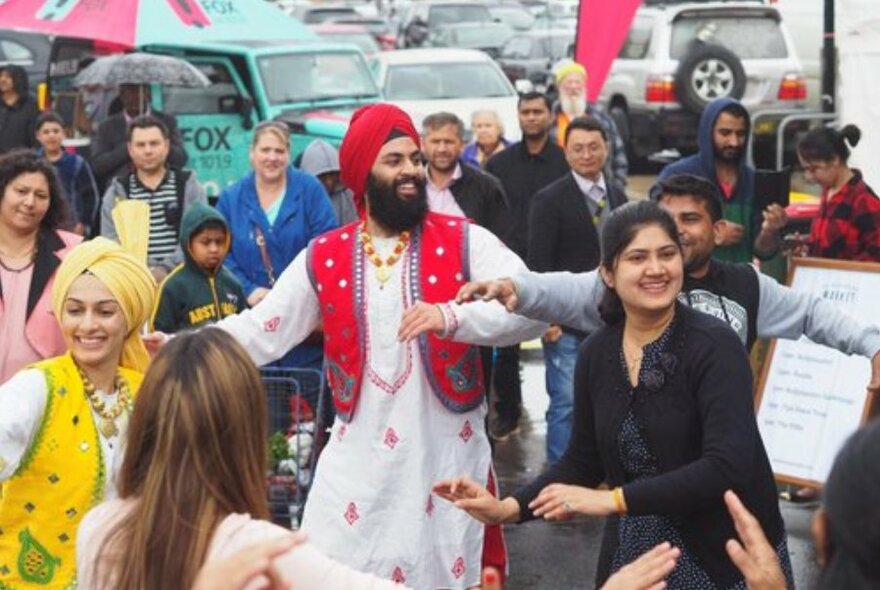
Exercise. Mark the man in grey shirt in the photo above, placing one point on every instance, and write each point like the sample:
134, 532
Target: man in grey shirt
753, 304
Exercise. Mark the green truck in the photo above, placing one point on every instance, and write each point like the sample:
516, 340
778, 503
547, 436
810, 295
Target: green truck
312, 86
261, 64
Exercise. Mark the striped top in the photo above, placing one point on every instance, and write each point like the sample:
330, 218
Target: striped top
164, 213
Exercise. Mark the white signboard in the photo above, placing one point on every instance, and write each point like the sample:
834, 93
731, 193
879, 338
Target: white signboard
811, 397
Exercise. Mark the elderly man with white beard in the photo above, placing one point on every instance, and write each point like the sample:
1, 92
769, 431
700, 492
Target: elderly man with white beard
571, 80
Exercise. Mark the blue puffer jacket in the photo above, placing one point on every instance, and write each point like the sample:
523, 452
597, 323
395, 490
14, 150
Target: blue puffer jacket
305, 213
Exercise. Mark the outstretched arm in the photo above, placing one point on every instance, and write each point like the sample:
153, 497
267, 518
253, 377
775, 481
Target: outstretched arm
562, 298
283, 318
484, 322
786, 313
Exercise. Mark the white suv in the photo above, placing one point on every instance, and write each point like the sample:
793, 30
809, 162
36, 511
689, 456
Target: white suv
679, 57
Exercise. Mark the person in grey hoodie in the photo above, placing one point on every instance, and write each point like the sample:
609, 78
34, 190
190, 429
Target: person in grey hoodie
753, 304
320, 159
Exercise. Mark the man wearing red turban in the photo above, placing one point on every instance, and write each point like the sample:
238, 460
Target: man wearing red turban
402, 363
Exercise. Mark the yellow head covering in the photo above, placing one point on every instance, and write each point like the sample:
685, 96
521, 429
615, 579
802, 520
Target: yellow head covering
568, 68
125, 277
132, 220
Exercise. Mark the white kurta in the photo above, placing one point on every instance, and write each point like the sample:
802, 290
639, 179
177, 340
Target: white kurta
22, 405
371, 505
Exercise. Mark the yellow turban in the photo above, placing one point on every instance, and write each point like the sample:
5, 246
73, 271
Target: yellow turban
129, 280
571, 67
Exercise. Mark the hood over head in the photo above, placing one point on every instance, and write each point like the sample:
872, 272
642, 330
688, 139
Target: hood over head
195, 216
320, 158
707, 125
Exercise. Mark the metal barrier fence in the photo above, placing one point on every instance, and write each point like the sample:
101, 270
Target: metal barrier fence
296, 404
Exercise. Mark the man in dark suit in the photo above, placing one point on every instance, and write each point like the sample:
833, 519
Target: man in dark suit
523, 168
564, 224
110, 145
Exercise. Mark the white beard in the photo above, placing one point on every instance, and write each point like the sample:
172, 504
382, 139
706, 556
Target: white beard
573, 106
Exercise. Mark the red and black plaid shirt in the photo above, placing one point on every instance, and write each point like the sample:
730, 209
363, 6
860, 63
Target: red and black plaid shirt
848, 224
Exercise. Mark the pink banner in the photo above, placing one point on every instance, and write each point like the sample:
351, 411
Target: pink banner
602, 28
112, 21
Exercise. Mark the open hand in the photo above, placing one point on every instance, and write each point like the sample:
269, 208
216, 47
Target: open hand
476, 500
250, 568
728, 233
418, 319
774, 218
502, 290
754, 557
647, 572
562, 502
154, 341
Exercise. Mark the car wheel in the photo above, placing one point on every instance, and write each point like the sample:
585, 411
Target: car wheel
707, 72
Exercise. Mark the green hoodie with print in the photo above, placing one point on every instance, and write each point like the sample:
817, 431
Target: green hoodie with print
191, 296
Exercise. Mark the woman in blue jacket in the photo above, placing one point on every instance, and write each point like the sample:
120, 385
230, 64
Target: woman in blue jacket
272, 213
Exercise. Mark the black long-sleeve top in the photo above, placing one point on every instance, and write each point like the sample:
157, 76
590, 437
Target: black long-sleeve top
700, 425
522, 175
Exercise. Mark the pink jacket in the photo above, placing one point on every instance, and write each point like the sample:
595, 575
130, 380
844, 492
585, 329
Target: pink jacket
42, 330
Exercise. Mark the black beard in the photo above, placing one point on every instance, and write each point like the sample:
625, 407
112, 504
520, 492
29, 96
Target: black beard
393, 212
719, 155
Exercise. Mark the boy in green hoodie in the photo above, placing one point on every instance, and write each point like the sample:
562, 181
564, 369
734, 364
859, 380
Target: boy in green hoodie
199, 291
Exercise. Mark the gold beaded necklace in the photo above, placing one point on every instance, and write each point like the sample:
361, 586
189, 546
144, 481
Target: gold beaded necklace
107, 427
383, 267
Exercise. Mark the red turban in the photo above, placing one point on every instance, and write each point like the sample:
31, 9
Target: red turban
368, 131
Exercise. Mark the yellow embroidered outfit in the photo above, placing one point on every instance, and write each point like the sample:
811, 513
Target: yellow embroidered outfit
59, 479
62, 473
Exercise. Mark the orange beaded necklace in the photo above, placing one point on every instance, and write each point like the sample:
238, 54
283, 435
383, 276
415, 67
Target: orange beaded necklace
383, 267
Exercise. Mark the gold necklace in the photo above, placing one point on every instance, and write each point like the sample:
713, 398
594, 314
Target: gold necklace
107, 427
632, 359
383, 267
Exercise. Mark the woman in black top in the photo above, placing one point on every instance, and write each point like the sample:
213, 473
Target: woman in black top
663, 415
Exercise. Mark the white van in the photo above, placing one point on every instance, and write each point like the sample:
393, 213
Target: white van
804, 20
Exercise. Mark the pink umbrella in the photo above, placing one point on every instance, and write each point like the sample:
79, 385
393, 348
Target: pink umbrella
135, 23
112, 21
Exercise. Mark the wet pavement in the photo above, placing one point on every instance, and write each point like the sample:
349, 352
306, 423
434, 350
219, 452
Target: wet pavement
562, 556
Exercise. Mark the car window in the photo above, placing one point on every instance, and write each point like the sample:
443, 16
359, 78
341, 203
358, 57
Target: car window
517, 18
15, 53
445, 81
638, 40
298, 77
559, 46
749, 37
487, 35
181, 100
364, 41
458, 13
517, 48
325, 15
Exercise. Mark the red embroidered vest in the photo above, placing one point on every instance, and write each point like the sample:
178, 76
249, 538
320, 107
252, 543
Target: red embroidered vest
436, 266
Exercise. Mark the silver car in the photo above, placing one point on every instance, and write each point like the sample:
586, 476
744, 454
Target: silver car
679, 57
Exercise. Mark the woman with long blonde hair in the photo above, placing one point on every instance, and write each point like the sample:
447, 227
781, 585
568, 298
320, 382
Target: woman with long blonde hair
192, 487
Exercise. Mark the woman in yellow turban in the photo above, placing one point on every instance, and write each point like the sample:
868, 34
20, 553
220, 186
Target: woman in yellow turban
62, 420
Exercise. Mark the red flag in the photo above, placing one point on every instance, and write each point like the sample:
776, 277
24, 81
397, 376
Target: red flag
601, 30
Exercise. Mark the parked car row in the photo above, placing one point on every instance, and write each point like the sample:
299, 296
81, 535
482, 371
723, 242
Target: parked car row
675, 58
